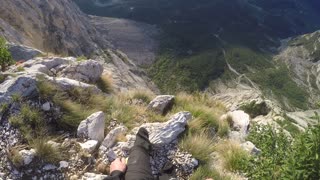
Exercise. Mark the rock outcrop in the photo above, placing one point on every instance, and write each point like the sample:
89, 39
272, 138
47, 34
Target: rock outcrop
60, 27
54, 26
23, 53
304, 119
89, 146
27, 156
24, 85
161, 104
92, 127
111, 137
165, 133
239, 122
88, 71
125, 74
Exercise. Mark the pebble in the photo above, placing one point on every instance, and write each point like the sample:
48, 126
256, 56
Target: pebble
63, 164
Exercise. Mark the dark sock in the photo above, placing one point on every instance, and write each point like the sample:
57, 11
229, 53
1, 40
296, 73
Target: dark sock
142, 140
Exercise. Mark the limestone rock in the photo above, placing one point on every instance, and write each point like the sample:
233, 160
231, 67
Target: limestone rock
45, 65
66, 83
304, 118
89, 146
87, 71
164, 133
63, 165
92, 127
110, 139
46, 106
161, 104
251, 148
20, 52
93, 176
126, 76
27, 155
49, 167
240, 121
23, 85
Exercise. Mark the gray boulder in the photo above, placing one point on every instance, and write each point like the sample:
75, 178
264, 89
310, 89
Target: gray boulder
89, 146
66, 84
92, 127
164, 133
27, 155
20, 52
87, 71
161, 104
110, 139
63, 165
250, 147
238, 120
25, 86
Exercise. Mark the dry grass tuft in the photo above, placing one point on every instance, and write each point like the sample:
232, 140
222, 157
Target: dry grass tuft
234, 157
15, 157
200, 145
46, 152
105, 83
206, 112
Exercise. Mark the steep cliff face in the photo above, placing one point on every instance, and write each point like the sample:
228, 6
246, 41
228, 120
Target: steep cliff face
53, 26
60, 27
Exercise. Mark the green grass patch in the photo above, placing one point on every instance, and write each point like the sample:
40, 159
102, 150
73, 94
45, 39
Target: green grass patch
16, 97
78, 103
20, 68
289, 126
206, 113
2, 78
81, 58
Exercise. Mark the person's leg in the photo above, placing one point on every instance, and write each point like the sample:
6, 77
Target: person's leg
139, 167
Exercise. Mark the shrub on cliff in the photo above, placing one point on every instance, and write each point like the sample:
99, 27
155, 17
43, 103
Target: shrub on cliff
5, 55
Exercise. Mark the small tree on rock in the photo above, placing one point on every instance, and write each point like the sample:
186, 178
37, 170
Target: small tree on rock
5, 55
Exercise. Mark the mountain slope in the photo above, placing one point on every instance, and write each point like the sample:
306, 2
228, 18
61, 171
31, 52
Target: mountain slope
59, 27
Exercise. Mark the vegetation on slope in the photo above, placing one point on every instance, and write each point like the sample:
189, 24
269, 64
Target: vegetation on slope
284, 158
278, 82
187, 73
5, 55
